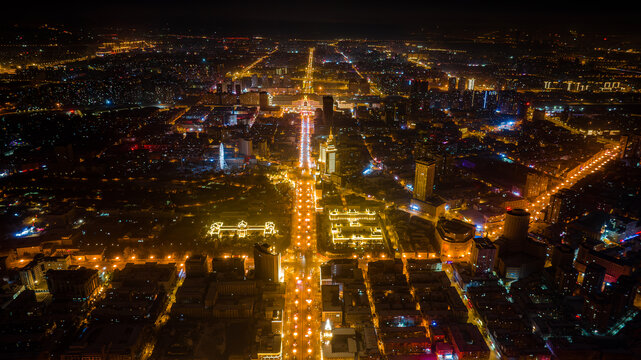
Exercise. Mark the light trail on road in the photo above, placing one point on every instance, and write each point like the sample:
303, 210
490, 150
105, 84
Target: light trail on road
245, 71
371, 83
590, 166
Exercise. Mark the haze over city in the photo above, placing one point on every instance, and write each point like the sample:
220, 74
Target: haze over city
327, 180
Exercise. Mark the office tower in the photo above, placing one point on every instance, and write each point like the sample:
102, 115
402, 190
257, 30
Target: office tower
245, 147
419, 93
451, 84
483, 256
245, 83
515, 228
535, 184
593, 279
197, 266
238, 91
470, 84
328, 109
254, 81
565, 279
266, 263
264, 99
424, 179
330, 155
596, 312
462, 84
563, 206
395, 109
622, 295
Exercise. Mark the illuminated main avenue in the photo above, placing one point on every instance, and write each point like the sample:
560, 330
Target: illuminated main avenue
302, 311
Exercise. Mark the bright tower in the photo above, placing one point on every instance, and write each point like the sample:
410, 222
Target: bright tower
221, 157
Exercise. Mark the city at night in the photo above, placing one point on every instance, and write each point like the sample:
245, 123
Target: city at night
330, 180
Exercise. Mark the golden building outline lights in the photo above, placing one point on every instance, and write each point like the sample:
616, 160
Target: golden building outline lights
348, 227
242, 229
352, 215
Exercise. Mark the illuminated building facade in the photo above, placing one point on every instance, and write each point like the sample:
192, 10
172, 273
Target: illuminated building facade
242, 229
424, 179
327, 158
455, 239
470, 84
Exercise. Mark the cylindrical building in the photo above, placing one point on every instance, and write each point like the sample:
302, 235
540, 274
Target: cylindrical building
516, 225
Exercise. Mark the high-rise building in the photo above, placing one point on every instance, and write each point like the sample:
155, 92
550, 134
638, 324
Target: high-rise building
238, 90
424, 179
593, 279
330, 156
219, 88
563, 206
395, 109
483, 255
596, 312
328, 153
565, 279
266, 263
631, 149
245, 147
451, 84
515, 228
419, 95
328, 109
535, 184
462, 84
264, 100
622, 295
470, 84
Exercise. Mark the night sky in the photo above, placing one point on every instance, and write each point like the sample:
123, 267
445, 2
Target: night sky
330, 17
